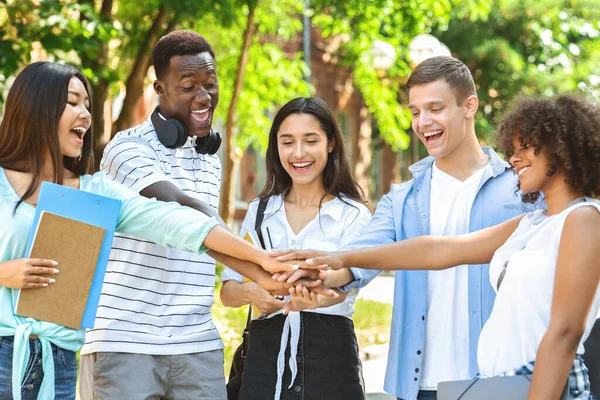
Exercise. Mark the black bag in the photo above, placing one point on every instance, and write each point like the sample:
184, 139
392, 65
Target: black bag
239, 357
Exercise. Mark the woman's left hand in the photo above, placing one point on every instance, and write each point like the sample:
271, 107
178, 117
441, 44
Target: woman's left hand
301, 299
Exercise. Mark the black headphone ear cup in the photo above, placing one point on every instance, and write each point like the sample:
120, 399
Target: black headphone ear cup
171, 133
209, 144
182, 135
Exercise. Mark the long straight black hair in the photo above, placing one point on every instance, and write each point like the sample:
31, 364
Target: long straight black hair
29, 128
337, 177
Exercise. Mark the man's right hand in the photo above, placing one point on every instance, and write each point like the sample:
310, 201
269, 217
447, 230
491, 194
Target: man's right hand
263, 300
24, 273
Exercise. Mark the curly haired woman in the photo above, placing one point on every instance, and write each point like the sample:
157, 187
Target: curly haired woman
545, 266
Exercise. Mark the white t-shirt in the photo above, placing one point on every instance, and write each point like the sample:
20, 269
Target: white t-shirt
447, 321
337, 224
156, 300
521, 314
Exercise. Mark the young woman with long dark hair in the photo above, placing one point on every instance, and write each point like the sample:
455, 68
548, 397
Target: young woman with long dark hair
313, 202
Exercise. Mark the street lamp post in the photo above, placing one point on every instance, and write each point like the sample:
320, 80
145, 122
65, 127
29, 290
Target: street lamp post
422, 47
306, 39
383, 55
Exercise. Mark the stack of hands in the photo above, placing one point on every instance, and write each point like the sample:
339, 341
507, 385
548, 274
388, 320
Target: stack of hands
303, 274
306, 279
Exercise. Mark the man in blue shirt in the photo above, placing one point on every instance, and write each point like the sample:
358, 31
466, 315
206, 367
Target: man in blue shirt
460, 188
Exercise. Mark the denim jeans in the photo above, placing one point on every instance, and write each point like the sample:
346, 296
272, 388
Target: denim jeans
425, 395
65, 371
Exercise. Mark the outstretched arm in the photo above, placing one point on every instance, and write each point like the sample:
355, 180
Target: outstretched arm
251, 271
167, 191
575, 285
172, 225
236, 294
424, 252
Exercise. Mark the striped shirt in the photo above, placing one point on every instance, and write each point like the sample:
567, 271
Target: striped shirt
156, 300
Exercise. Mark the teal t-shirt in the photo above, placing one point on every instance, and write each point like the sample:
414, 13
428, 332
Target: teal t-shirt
180, 227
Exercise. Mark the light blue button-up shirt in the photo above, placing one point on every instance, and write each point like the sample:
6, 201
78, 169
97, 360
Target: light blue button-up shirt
403, 213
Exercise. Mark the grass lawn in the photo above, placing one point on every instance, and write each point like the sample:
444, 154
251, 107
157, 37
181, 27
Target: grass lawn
372, 321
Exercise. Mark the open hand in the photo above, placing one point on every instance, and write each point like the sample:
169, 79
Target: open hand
25, 273
263, 300
293, 276
301, 299
273, 266
317, 287
313, 259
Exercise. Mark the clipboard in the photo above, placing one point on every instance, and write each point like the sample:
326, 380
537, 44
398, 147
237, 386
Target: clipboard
88, 208
76, 246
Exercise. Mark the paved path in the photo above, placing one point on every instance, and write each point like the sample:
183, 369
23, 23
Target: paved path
374, 358
379, 289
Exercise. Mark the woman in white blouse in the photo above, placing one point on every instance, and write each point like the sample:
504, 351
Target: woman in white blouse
545, 266
313, 202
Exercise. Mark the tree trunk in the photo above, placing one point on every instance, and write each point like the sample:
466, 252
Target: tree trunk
98, 122
362, 151
134, 89
227, 206
100, 89
391, 169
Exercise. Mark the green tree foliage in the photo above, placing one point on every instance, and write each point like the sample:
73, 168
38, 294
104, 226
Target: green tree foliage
56, 26
395, 22
537, 47
512, 46
272, 77
75, 31
250, 55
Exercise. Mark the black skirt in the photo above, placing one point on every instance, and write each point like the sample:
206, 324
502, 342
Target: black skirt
329, 367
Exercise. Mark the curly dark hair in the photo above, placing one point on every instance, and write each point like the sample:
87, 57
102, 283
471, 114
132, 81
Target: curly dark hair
567, 128
177, 43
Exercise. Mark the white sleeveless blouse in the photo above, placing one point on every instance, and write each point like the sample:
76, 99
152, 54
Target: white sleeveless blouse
521, 313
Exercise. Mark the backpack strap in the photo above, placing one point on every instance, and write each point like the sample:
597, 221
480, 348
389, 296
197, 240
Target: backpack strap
260, 215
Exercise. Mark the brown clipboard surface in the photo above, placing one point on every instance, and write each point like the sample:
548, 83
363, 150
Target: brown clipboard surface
76, 246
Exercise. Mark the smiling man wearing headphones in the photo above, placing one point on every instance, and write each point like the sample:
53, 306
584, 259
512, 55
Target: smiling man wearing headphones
154, 336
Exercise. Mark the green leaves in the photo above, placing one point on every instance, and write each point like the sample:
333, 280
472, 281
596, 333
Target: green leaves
360, 24
272, 76
512, 46
539, 47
